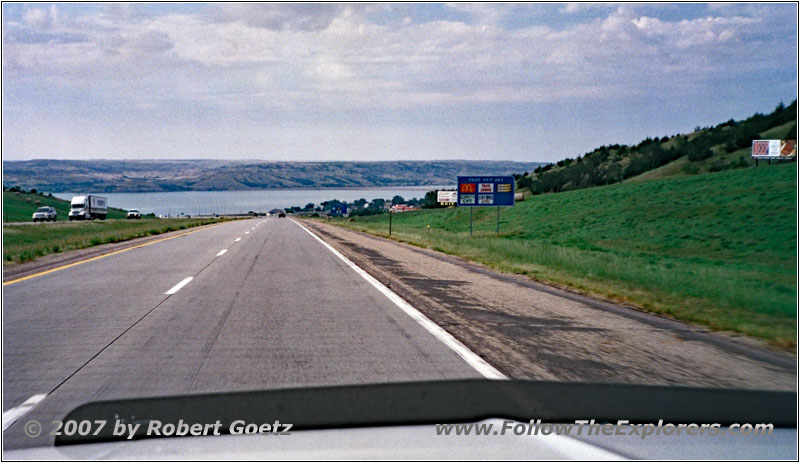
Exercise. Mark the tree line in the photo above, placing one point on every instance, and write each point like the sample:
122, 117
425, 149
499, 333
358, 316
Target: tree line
612, 164
362, 207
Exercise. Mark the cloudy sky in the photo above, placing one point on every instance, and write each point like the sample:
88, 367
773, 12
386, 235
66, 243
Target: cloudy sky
379, 82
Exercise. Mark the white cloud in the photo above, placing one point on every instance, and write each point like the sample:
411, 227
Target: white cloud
245, 59
572, 7
462, 61
483, 13
278, 16
41, 18
151, 41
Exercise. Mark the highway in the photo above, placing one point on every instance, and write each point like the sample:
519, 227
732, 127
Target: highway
272, 303
245, 305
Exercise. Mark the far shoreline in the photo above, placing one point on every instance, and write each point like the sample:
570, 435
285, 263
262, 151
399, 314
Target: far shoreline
406, 187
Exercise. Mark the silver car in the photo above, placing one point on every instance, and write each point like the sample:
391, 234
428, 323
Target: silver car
45, 214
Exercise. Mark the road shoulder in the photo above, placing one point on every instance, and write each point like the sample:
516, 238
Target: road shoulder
535, 331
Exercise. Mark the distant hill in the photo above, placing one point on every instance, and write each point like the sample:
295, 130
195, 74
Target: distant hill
707, 149
108, 176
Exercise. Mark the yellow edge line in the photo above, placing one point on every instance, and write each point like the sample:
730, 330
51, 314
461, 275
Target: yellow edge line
119, 251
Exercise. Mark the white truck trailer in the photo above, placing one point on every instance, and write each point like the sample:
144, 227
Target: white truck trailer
88, 207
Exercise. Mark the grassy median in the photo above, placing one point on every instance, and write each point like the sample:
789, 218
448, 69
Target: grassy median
23, 243
717, 249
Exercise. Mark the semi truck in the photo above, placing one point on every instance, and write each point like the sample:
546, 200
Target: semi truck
88, 207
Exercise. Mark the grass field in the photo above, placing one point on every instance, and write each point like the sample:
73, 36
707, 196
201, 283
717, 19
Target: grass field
717, 249
19, 207
26, 242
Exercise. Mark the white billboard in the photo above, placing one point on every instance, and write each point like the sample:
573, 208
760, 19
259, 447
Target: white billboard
447, 196
774, 149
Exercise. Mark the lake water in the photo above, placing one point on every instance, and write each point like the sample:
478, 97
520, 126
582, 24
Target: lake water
235, 202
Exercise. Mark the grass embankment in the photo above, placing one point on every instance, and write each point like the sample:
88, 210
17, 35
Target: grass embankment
717, 249
19, 207
26, 242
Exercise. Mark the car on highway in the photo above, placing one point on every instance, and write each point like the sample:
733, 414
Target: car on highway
45, 214
281, 215
134, 214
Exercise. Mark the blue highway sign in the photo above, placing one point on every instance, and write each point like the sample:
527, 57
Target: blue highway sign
338, 209
486, 191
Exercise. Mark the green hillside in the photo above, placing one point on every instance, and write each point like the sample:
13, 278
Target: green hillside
708, 149
716, 248
721, 159
20, 206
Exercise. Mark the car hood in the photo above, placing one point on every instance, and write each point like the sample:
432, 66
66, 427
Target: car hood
346, 411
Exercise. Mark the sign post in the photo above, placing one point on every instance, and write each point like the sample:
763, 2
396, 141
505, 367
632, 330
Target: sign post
483, 191
470, 221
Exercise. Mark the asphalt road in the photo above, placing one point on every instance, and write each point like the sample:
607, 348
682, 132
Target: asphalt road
276, 309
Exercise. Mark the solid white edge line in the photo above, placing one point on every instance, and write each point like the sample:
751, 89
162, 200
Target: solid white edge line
222, 252
473, 359
579, 450
11, 416
180, 285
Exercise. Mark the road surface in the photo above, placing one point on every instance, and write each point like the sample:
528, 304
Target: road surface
276, 309
264, 304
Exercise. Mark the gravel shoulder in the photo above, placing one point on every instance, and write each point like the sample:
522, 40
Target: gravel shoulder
529, 330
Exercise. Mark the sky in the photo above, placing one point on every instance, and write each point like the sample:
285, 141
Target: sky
316, 82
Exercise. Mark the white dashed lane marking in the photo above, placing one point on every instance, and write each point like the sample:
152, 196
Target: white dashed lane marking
180, 285
11, 416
